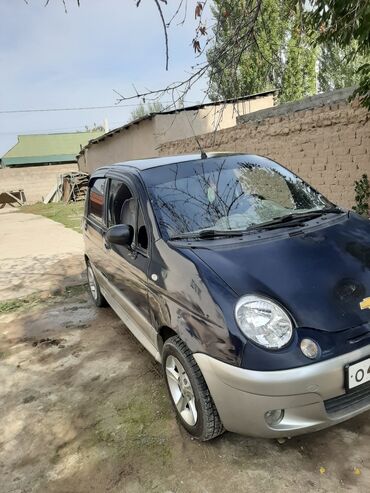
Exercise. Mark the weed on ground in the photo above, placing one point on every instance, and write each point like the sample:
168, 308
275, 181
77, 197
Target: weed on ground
68, 214
20, 304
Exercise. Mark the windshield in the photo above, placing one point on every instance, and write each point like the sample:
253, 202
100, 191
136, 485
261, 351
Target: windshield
226, 194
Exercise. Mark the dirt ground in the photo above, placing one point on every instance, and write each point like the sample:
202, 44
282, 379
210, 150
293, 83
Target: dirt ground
84, 409
37, 254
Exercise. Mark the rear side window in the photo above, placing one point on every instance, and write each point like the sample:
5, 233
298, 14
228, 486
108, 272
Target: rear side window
96, 199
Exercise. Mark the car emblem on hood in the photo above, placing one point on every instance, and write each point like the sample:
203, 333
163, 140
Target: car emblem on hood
365, 303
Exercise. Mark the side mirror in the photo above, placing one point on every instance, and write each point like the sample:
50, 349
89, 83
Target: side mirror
121, 234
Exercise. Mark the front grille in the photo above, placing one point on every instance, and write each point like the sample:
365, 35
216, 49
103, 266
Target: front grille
353, 400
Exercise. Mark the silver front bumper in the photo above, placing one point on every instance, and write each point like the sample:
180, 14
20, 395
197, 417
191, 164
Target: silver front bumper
242, 397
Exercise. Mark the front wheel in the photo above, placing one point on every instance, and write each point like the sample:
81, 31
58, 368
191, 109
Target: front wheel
189, 393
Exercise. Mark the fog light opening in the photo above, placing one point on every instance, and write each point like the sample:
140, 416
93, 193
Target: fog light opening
309, 348
274, 417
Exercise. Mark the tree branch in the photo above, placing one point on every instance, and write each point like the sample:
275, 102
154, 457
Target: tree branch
176, 13
164, 27
229, 52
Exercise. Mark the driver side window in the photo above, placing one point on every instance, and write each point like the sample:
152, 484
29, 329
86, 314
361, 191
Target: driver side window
119, 195
123, 208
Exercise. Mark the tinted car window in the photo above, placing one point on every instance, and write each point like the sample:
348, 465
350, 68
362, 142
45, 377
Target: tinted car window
123, 209
231, 193
96, 199
119, 196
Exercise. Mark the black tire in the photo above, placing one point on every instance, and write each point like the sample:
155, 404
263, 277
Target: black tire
208, 424
95, 292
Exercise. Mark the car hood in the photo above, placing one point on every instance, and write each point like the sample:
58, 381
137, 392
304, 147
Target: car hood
320, 275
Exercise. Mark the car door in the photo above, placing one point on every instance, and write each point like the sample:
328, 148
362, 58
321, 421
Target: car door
94, 224
128, 265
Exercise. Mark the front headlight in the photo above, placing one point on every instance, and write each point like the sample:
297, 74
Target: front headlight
263, 321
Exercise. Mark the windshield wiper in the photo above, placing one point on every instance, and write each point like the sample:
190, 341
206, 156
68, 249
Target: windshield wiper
204, 234
331, 210
295, 218
308, 214
290, 220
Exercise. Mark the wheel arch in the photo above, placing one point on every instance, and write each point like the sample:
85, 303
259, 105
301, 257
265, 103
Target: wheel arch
164, 333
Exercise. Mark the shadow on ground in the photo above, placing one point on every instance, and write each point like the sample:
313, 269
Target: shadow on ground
84, 409
27, 275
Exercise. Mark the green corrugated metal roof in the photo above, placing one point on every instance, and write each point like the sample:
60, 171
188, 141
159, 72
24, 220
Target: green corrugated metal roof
47, 148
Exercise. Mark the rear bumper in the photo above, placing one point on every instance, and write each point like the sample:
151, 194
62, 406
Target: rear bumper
313, 397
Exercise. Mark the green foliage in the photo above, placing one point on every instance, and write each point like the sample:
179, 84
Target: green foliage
146, 109
259, 65
362, 197
345, 24
280, 55
341, 21
299, 77
94, 128
363, 90
297, 51
338, 67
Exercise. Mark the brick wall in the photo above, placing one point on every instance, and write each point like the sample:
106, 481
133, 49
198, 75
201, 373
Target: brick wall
36, 181
324, 139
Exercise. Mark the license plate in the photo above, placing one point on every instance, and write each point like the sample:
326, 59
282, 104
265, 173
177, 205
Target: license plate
358, 373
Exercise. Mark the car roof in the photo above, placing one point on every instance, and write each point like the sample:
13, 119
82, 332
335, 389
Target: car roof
143, 164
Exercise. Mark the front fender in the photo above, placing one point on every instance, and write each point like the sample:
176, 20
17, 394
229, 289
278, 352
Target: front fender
188, 297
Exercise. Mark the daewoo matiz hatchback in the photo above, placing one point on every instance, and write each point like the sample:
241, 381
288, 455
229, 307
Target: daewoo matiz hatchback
248, 286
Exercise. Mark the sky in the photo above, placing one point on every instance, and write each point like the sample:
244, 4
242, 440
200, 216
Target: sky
50, 59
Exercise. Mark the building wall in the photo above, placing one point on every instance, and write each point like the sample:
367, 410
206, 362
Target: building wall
145, 138
324, 139
185, 124
135, 142
36, 181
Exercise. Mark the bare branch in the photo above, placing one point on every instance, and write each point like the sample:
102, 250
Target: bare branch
164, 27
176, 13
64, 4
230, 52
185, 14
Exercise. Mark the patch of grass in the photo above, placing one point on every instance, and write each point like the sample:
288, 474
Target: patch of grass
4, 354
28, 302
18, 303
68, 214
74, 291
139, 426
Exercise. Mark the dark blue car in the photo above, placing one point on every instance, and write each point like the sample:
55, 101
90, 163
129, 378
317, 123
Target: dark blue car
247, 285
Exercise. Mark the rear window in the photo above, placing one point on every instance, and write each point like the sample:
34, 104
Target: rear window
96, 199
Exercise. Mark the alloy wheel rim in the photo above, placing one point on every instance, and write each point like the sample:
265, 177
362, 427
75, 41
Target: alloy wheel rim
181, 390
92, 283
